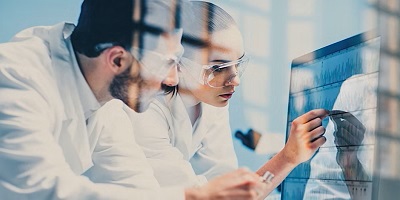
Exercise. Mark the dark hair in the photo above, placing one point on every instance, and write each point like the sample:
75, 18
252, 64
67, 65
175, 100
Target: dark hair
106, 23
103, 21
170, 89
111, 22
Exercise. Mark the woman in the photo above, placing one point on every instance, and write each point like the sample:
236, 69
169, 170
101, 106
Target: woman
189, 140
186, 134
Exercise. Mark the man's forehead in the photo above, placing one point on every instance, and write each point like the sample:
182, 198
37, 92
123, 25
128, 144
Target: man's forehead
155, 22
161, 15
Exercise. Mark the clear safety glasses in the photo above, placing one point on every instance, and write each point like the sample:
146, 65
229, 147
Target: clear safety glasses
157, 64
216, 75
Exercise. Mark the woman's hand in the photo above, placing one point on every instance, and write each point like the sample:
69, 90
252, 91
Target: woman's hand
306, 136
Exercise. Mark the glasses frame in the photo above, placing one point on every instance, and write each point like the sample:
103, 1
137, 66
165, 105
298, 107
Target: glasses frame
243, 59
169, 60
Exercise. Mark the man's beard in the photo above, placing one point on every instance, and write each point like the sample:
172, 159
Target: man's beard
119, 89
130, 90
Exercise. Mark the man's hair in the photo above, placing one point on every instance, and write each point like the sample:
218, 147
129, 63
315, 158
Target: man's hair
111, 23
103, 21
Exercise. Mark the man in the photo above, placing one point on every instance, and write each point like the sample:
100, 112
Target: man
52, 79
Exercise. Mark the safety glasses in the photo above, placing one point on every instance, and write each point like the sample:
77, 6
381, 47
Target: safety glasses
215, 75
157, 64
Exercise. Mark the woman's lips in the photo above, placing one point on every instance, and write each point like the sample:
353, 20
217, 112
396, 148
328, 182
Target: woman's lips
226, 96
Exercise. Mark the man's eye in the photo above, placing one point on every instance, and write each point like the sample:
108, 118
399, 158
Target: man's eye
171, 62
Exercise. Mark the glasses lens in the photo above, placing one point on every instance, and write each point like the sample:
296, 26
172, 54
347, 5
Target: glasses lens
191, 70
156, 64
221, 75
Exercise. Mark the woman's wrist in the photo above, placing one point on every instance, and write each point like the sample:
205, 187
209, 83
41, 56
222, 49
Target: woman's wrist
288, 156
195, 194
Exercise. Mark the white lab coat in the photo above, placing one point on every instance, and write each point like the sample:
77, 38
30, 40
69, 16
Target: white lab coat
179, 153
44, 141
116, 156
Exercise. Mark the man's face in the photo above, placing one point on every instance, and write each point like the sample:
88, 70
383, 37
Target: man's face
156, 49
154, 62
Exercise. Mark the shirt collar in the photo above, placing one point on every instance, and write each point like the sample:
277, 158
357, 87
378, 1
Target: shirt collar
87, 98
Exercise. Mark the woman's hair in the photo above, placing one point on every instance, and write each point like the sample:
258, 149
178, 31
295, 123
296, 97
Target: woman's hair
206, 18
198, 26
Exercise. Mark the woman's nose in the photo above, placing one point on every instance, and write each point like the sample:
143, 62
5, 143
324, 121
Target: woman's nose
235, 81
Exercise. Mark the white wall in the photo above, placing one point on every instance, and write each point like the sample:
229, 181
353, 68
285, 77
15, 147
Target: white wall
16, 15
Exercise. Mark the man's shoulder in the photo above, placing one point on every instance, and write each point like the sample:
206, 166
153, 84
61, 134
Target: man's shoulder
29, 54
31, 45
27, 63
24, 52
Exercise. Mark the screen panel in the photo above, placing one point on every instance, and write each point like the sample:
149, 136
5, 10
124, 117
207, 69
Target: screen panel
341, 77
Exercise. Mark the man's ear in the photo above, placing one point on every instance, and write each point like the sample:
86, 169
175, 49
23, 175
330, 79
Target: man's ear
118, 59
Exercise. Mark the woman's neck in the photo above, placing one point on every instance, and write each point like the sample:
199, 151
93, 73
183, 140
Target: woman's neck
192, 104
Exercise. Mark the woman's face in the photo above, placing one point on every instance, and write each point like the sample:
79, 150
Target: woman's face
227, 46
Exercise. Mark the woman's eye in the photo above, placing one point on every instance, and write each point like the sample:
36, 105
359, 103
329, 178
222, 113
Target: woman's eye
217, 69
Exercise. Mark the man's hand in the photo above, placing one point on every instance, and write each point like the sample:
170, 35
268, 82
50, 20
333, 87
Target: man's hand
239, 184
306, 136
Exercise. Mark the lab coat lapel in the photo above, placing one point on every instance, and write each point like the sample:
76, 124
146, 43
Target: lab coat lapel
205, 118
74, 137
183, 127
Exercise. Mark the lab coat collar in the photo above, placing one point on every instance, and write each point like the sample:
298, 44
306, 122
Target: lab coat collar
192, 140
180, 119
87, 98
204, 123
79, 101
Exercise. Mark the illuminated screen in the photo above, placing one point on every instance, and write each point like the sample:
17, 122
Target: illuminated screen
342, 77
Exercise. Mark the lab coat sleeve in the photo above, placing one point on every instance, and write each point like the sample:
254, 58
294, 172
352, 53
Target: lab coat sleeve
216, 155
152, 134
32, 165
116, 156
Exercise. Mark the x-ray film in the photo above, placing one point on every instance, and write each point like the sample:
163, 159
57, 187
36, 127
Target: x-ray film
342, 77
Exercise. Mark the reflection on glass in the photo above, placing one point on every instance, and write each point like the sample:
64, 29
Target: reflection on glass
349, 131
344, 80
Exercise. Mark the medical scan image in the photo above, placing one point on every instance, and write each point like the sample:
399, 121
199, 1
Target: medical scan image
341, 78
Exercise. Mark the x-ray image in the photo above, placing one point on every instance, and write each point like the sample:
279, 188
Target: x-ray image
342, 78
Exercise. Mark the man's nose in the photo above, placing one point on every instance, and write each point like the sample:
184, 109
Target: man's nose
172, 78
